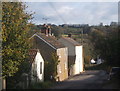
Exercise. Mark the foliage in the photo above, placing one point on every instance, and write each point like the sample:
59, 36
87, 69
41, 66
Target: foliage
51, 67
113, 47
14, 34
107, 45
34, 29
97, 67
98, 39
87, 59
57, 31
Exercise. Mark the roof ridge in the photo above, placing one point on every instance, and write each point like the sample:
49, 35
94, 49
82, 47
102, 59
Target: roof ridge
53, 42
71, 40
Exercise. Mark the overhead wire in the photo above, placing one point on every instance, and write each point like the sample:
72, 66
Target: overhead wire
53, 7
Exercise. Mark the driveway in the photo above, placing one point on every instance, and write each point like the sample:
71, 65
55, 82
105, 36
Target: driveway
92, 79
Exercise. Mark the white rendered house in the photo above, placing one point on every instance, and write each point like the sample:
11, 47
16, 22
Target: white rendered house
75, 55
37, 66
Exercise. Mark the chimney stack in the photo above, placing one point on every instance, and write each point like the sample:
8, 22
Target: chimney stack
46, 30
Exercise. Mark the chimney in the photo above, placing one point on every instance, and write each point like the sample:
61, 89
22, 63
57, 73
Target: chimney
69, 35
49, 31
46, 30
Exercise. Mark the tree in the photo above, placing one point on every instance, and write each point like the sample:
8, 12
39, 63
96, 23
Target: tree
14, 36
57, 31
107, 45
98, 39
51, 67
113, 47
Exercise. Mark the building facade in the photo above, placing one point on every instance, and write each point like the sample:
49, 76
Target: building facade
49, 45
75, 55
37, 66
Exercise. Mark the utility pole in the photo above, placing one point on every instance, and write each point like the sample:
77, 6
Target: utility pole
82, 37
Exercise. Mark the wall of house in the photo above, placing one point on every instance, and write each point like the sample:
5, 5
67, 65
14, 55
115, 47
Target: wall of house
63, 64
71, 63
44, 48
71, 48
36, 76
46, 52
40, 67
75, 57
33, 73
79, 59
72, 70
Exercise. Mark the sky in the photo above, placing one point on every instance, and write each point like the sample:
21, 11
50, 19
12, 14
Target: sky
92, 13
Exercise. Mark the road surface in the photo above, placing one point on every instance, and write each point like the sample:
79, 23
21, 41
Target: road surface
92, 79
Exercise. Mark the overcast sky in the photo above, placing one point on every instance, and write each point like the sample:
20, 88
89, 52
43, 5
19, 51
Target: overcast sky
91, 13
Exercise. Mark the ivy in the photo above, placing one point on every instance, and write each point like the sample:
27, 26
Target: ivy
51, 67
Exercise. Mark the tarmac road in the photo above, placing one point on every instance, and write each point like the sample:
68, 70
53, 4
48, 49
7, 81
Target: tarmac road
92, 79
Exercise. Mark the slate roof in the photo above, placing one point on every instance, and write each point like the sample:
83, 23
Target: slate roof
72, 41
51, 40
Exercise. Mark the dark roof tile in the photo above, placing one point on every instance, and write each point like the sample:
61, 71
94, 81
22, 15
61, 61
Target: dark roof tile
51, 40
32, 54
72, 41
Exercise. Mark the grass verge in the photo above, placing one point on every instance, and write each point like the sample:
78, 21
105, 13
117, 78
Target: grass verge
42, 85
102, 66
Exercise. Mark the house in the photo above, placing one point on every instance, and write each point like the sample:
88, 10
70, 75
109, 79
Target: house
75, 55
48, 45
35, 70
37, 66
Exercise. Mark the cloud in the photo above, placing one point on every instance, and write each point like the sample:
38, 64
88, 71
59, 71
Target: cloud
69, 0
65, 10
74, 12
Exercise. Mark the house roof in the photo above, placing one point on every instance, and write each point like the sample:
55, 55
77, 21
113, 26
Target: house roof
72, 41
32, 54
50, 40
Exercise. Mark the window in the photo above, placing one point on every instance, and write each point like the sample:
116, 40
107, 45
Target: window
40, 67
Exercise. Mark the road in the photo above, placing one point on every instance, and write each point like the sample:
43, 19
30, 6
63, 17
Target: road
86, 80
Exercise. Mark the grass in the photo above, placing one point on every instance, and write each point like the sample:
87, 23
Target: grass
42, 85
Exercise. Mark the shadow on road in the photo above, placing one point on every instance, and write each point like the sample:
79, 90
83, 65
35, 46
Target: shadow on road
86, 80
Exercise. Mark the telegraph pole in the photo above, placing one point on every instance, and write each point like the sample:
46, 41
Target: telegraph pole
82, 37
